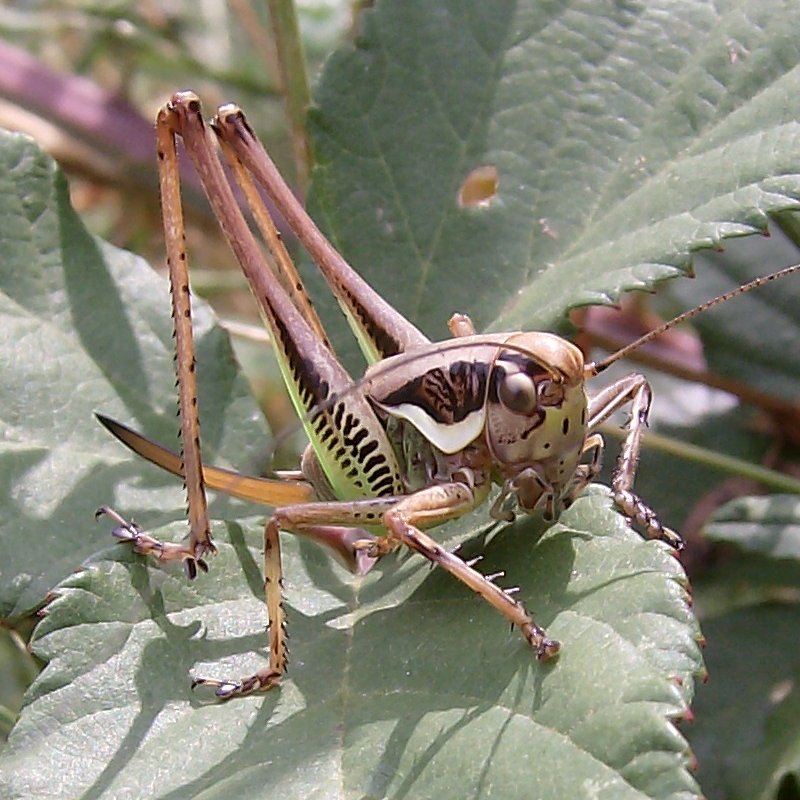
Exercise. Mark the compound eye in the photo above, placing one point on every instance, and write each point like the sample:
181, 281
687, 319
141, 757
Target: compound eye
551, 393
517, 392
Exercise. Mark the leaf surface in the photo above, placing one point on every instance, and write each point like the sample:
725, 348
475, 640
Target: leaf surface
746, 735
626, 137
83, 329
400, 683
769, 526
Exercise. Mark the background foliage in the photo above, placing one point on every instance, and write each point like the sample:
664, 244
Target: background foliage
627, 137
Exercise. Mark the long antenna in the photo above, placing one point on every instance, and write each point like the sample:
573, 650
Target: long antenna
595, 368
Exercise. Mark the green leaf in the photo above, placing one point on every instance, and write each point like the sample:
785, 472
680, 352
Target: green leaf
747, 738
752, 338
627, 136
777, 764
401, 683
766, 525
746, 734
83, 329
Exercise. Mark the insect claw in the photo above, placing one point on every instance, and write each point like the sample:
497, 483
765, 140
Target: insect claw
227, 689
223, 690
262, 681
122, 523
190, 568
106, 511
674, 540
123, 534
547, 649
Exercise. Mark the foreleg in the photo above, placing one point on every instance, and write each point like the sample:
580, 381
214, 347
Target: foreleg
633, 389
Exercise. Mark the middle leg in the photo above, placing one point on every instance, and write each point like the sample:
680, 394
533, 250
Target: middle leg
433, 505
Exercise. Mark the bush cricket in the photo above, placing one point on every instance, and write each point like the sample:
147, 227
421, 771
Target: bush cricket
419, 440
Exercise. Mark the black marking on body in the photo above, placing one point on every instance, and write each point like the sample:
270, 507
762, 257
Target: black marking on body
523, 364
536, 423
446, 395
386, 344
338, 429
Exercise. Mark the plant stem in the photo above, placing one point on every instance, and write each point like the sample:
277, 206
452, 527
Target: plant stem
294, 80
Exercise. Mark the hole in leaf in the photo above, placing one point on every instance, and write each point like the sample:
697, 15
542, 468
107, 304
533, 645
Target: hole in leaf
479, 187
